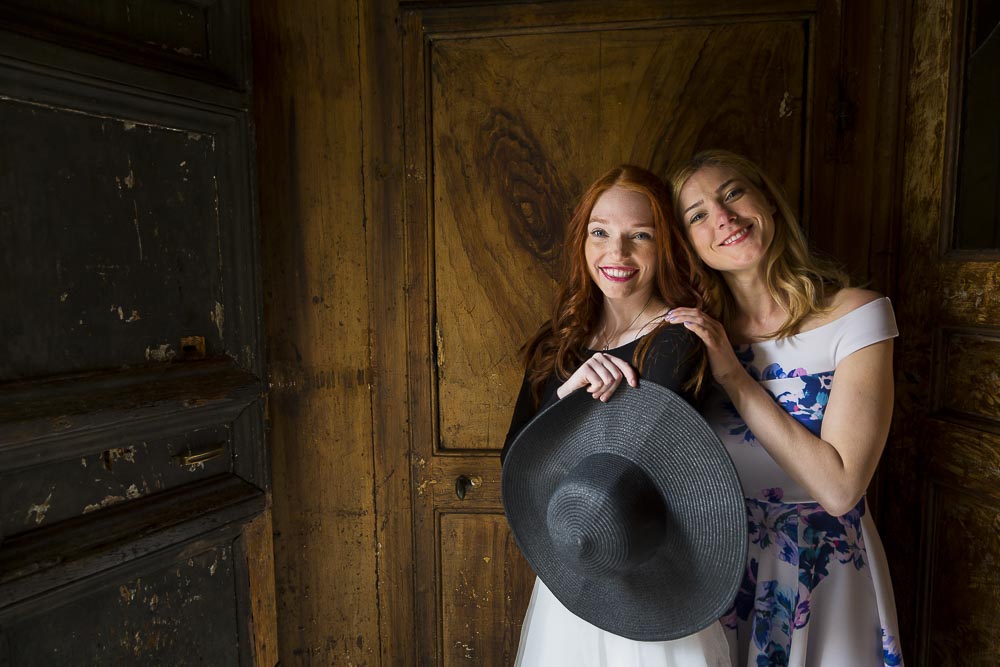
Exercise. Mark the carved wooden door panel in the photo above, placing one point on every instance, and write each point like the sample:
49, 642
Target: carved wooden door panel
942, 531
509, 114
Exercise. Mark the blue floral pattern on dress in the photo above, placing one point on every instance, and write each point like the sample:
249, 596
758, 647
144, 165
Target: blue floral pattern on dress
806, 536
892, 655
807, 402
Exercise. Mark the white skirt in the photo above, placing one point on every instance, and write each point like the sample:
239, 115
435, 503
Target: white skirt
552, 636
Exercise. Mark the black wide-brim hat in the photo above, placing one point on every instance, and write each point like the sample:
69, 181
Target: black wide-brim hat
630, 511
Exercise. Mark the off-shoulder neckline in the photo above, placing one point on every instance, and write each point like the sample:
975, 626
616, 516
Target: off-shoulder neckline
821, 327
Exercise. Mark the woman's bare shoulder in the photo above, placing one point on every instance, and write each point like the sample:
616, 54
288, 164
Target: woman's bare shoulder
849, 298
840, 304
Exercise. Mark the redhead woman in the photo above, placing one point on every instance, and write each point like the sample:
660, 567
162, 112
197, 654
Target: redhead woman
802, 399
627, 266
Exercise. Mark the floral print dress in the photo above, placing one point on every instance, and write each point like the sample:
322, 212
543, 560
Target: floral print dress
816, 591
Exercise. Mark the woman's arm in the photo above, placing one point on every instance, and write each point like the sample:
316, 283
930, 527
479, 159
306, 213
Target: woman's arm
524, 410
836, 467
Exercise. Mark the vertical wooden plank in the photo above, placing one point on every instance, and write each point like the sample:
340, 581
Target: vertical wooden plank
382, 113
317, 317
259, 548
419, 355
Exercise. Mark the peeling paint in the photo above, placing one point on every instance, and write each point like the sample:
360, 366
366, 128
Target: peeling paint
785, 109
130, 493
469, 650
135, 208
162, 353
127, 594
440, 344
39, 510
218, 317
130, 179
109, 456
423, 486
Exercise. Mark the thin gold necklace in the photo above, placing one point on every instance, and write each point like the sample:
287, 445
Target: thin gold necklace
607, 339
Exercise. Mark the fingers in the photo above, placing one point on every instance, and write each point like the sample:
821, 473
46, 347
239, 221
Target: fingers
702, 325
601, 375
628, 373
721, 357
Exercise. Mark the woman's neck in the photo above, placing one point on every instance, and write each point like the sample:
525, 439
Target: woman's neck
624, 320
757, 313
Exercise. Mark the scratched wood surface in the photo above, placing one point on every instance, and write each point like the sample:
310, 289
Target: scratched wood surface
940, 525
316, 310
182, 612
263, 619
151, 224
490, 582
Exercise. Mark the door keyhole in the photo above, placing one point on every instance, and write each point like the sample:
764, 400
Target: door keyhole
464, 483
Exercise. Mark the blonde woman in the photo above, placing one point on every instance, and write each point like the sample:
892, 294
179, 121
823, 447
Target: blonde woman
803, 397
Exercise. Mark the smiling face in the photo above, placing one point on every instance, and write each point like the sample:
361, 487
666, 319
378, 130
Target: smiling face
621, 249
729, 221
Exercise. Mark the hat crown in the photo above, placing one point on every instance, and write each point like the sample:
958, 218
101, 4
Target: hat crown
606, 516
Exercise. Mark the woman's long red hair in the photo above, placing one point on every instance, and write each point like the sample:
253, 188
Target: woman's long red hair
557, 347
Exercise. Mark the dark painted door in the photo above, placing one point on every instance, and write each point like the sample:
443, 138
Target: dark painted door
133, 473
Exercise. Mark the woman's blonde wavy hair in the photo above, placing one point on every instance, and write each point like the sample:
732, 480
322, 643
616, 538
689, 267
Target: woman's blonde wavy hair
800, 282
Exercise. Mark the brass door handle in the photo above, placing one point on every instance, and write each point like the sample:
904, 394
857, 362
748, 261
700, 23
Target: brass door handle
464, 483
193, 458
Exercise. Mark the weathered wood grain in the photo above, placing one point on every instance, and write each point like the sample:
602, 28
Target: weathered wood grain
317, 314
485, 586
963, 570
259, 548
384, 178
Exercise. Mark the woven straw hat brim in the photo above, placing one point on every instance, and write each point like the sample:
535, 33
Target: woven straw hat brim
692, 578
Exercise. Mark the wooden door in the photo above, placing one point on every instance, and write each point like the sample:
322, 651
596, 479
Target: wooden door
133, 520
510, 111
942, 510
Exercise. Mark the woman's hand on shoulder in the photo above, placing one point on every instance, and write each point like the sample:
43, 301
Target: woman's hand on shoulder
721, 357
601, 375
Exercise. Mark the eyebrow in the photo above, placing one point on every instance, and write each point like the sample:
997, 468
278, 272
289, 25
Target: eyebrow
702, 201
